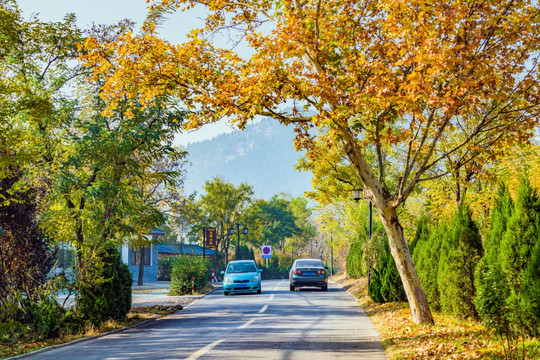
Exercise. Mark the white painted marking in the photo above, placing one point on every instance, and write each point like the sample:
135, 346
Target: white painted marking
263, 309
204, 350
247, 324
271, 297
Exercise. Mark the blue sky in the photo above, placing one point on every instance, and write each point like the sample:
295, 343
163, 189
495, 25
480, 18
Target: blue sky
111, 11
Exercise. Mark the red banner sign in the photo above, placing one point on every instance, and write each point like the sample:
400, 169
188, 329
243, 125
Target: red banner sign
211, 237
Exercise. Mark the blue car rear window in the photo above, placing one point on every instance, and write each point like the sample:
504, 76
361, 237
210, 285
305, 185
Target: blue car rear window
241, 268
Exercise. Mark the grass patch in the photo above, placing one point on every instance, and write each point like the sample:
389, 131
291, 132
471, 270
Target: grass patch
137, 315
449, 338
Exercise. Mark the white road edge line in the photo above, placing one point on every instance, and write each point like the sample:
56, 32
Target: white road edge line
247, 324
263, 309
204, 350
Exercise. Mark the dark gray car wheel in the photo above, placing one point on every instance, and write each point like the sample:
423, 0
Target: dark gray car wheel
291, 288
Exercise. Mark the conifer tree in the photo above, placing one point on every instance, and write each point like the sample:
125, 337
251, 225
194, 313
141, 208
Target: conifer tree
521, 235
461, 250
531, 290
426, 258
492, 287
385, 284
421, 234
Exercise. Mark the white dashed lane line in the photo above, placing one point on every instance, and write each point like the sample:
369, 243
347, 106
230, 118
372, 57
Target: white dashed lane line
263, 309
245, 325
197, 354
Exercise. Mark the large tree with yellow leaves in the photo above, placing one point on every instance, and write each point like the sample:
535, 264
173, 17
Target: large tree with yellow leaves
415, 83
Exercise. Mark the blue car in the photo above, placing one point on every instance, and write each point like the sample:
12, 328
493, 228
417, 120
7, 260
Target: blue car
241, 276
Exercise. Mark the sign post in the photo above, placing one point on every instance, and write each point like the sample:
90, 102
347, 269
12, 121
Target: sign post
266, 253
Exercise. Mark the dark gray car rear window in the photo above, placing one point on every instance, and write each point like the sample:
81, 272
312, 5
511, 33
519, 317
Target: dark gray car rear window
309, 263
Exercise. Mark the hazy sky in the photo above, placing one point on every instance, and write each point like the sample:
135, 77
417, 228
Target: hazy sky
111, 11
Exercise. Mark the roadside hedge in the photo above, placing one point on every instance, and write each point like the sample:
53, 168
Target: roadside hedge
185, 267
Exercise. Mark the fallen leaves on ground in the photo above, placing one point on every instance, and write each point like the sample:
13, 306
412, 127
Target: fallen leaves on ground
450, 338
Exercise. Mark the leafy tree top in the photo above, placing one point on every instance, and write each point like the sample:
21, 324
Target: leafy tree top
424, 79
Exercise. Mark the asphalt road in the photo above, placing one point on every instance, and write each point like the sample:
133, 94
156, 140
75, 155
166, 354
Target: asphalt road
278, 324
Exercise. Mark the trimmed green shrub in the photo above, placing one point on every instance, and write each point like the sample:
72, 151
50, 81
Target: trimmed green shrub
186, 267
426, 261
521, 235
422, 233
104, 287
385, 283
491, 303
460, 253
354, 261
531, 291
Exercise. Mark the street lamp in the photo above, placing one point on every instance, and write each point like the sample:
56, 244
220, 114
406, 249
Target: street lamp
356, 196
244, 231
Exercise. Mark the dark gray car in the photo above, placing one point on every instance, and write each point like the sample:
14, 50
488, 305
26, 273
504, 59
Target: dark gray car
308, 272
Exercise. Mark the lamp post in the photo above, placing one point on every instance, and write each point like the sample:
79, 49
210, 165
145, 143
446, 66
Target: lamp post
331, 255
244, 231
357, 195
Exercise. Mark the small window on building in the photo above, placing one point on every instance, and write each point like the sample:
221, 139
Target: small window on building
136, 256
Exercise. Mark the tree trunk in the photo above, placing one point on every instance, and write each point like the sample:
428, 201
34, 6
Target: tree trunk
421, 312
141, 267
386, 208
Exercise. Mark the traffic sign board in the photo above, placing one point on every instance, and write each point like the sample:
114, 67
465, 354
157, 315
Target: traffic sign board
266, 251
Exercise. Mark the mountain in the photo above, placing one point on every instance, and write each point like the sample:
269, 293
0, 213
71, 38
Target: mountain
262, 155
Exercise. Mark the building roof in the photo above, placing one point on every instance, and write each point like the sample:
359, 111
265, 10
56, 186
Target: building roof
157, 232
187, 249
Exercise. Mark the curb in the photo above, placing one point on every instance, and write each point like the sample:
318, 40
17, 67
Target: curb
52, 347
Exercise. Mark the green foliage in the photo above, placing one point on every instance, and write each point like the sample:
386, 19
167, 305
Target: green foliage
460, 252
385, 283
244, 252
354, 261
421, 234
521, 235
44, 315
275, 270
105, 287
531, 290
426, 259
165, 268
508, 277
186, 267
35, 318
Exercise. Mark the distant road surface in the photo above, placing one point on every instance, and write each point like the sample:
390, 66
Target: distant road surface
278, 324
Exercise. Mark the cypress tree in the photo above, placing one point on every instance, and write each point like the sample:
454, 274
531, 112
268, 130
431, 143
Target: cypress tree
385, 285
426, 259
461, 250
521, 235
354, 260
531, 290
421, 234
491, 284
